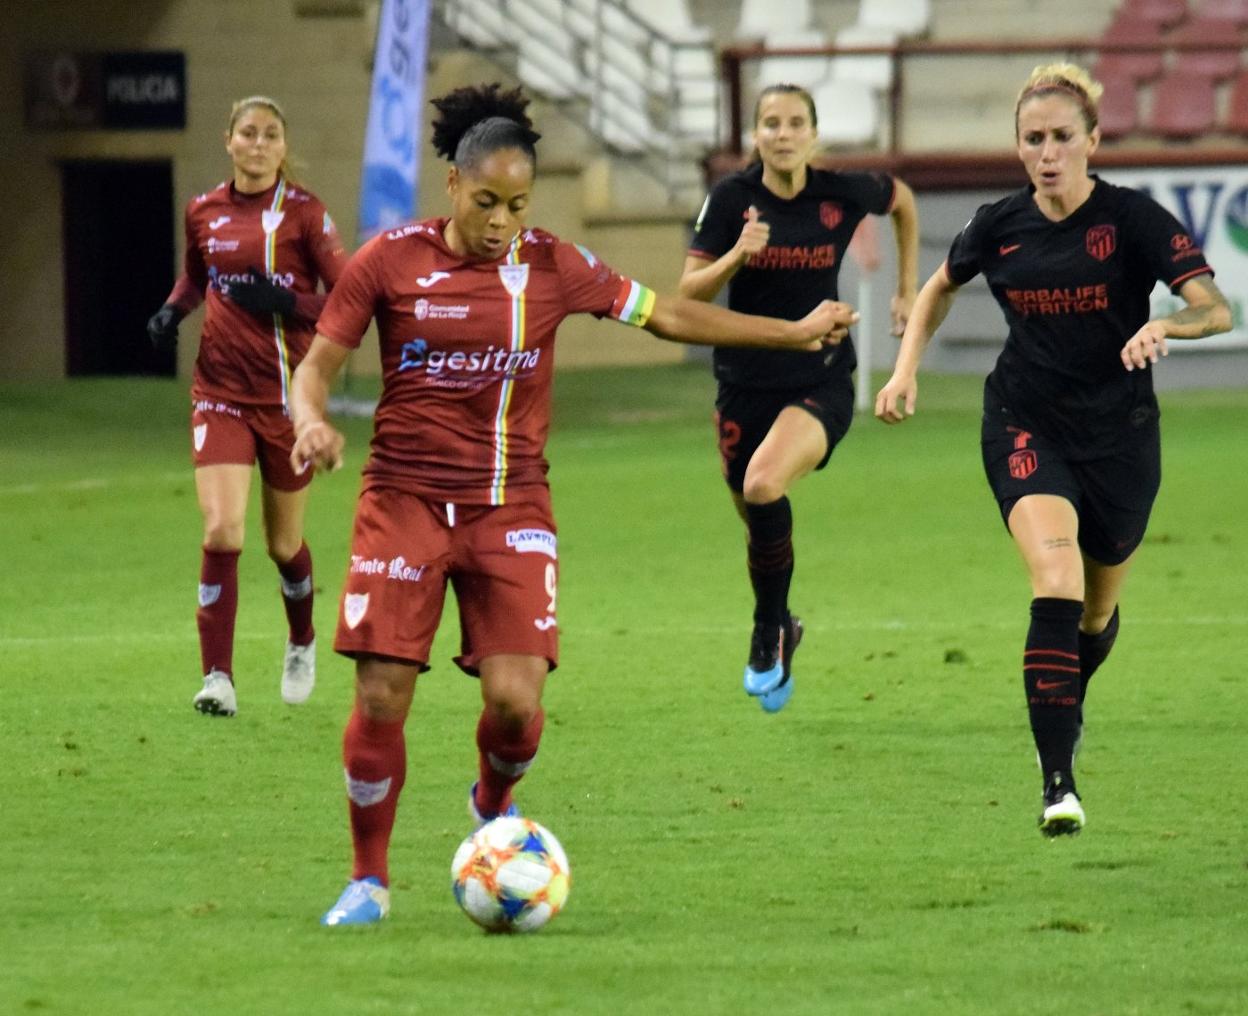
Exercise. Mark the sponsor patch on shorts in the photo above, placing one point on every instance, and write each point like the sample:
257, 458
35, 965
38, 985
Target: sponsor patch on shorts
533, 541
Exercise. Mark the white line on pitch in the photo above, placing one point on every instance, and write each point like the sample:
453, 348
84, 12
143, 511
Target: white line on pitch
94, 483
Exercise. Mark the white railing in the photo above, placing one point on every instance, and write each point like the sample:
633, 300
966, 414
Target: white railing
647, 94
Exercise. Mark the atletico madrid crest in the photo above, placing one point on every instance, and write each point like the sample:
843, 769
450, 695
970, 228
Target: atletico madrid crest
1023, 463
1101, 241
830, 214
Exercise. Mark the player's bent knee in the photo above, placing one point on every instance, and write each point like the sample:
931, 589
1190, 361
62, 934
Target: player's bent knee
1058, 583
383, 689
223, 536
762, 489
513, 713
284, 549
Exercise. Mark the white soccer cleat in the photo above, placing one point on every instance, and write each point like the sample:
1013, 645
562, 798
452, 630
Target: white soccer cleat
298, 673
1064, 817
216, 697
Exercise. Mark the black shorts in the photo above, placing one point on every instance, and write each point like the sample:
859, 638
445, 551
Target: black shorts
743, 416
1112, 495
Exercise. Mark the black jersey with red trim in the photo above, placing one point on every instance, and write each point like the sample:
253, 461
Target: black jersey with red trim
795, 271
1073, 293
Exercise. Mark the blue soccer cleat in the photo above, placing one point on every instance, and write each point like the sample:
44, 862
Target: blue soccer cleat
765, 670
776, 699
480, 819
364, 901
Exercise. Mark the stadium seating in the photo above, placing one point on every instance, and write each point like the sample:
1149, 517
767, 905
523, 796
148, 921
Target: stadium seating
905, 17
760, 17
1119, 109
546, 58
876, 71
1142, 66
806, 71
1214, 63
1161, 13
480, 22
1183, 106
1225, 10
1237, 106
851, 112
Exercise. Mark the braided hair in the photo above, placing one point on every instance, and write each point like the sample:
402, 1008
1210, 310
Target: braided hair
477, 120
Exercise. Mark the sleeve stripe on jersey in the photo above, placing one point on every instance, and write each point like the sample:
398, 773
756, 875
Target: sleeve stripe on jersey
634, 304
1202, 270
695, 252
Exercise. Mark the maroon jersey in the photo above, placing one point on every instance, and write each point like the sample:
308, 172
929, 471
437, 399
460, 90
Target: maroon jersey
467, 354
246, 358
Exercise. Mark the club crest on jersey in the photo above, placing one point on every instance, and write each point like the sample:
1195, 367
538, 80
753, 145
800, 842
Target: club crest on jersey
200, 432
515, 278
830, 214
1023, 463
1101, 241
354, 605
270, 219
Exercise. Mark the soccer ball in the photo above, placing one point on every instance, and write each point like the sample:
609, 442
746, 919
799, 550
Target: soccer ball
510, 875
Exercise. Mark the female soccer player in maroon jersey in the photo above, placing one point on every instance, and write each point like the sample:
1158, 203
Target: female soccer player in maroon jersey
776, 234
256, 247
1070, 437
455, 486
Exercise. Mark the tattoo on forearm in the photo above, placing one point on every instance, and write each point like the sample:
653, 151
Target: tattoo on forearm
1198, 316
1057, 543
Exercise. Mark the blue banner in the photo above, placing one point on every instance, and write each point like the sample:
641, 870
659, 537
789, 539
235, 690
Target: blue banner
388, 194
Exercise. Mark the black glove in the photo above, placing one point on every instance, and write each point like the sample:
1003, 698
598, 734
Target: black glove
162, 328
260, 296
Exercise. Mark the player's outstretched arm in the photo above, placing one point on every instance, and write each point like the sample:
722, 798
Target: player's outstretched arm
317, 443
1206, 313
905, 216
684, 320
896, 400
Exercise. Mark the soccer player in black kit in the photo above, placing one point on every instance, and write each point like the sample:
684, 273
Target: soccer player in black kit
1070, 436
776, 233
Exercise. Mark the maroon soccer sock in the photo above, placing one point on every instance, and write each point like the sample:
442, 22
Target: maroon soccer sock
1051, 678
506, 752
374, 754
1093, 649
297, 595
770, 559
218, 605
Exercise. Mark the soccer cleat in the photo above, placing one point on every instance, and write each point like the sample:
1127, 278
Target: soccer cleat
298, 673
511, 812
765, 670
364, 901
776, 699
1063, 813
216, 697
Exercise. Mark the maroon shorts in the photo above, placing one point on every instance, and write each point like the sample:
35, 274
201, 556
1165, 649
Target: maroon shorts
225, 434
502, 562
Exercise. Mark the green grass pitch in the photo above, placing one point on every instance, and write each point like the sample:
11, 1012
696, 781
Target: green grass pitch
870, 850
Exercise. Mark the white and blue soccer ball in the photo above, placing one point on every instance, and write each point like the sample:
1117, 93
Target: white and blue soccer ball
511, 875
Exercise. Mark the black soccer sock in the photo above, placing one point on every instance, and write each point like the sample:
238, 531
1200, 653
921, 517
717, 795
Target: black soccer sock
1051, 678
770, 558
1092, 652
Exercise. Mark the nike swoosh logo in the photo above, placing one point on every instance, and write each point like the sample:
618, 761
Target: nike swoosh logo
1003, 251
425, 281
1049, 685
218, 222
